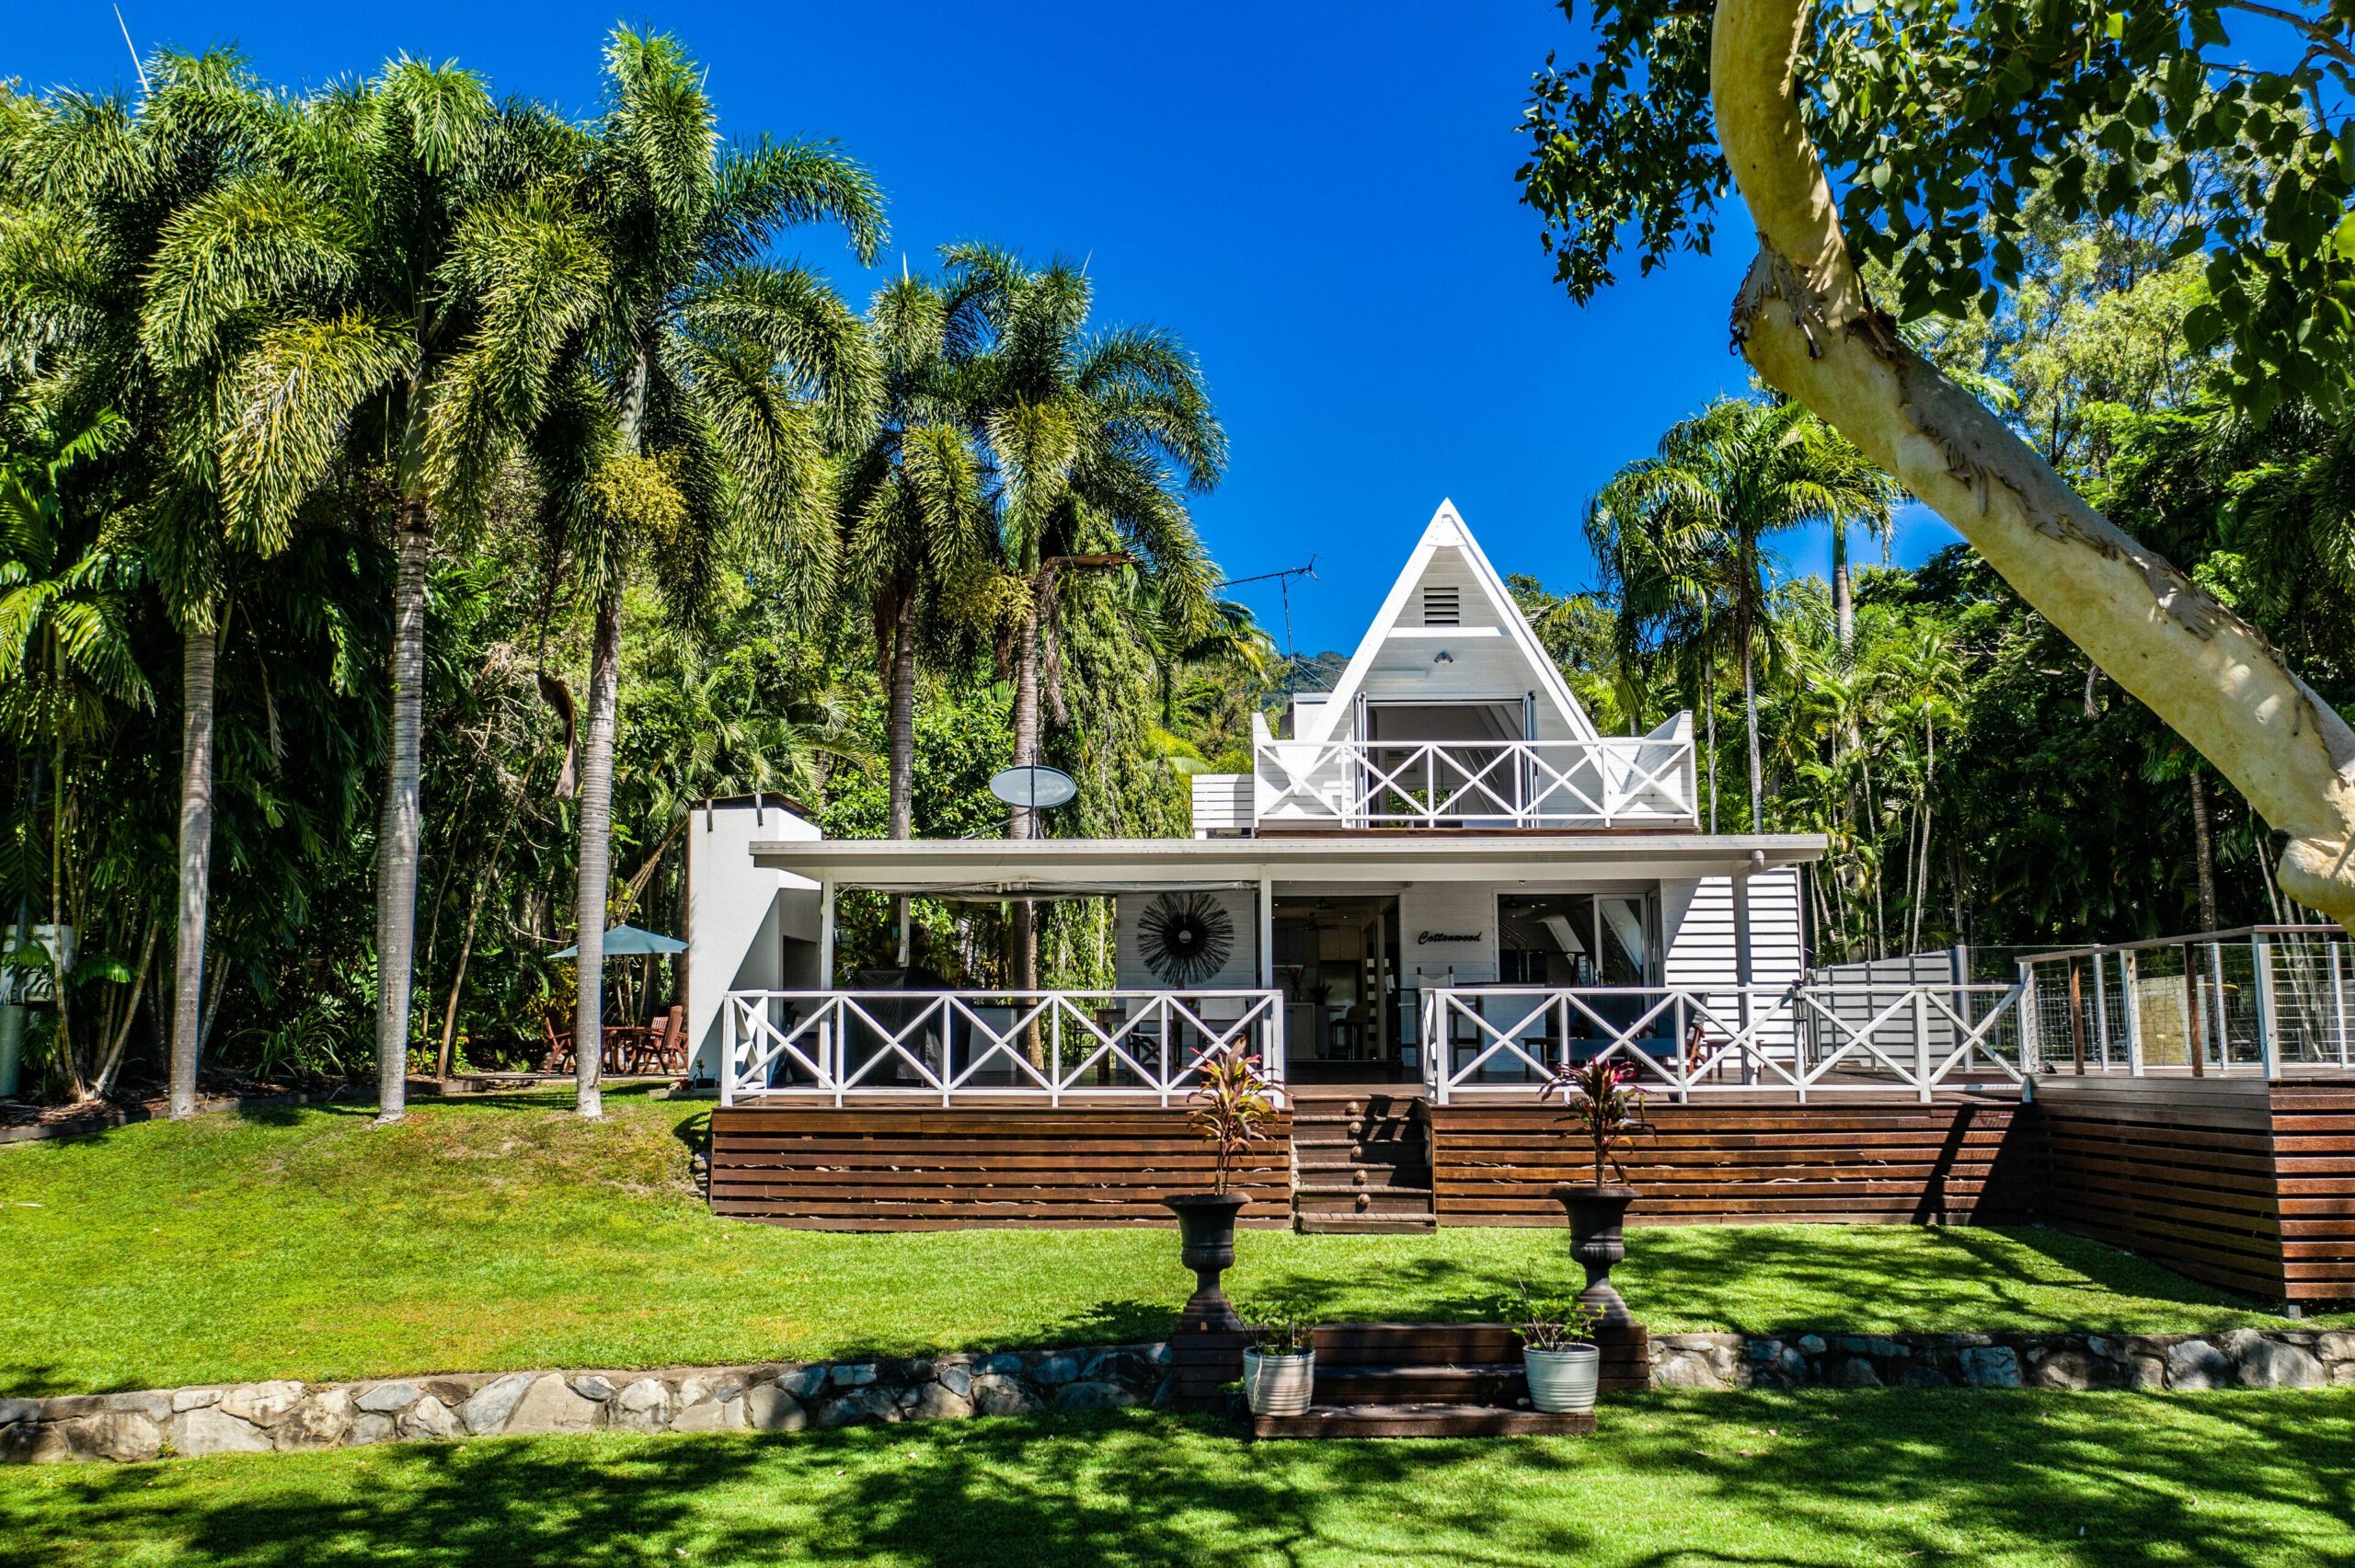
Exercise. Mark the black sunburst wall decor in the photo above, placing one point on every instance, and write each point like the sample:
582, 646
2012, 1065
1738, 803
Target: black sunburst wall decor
1185, 937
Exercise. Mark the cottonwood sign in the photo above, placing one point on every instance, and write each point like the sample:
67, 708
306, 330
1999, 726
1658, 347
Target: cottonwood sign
1425, 938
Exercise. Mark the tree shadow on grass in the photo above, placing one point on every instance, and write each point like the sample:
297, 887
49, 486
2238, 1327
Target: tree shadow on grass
2246, 1481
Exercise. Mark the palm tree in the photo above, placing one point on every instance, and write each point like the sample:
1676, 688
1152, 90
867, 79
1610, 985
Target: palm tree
912, 515
398, 168
144, 243
1092, 438
700, 388
1686, 529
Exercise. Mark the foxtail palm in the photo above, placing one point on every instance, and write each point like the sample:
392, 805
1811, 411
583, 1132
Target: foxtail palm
1092, 437
914, 519
144, 244
1686, 530
406, 172
699, 391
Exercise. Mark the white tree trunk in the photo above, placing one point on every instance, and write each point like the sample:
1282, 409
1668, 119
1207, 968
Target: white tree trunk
1805, 323
197, 652
596, 852
396, 835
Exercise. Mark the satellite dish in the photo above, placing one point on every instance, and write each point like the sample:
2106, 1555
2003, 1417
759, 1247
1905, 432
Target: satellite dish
1033, 786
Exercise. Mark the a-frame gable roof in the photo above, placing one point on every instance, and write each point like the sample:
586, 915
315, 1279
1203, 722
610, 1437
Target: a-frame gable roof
1447, 530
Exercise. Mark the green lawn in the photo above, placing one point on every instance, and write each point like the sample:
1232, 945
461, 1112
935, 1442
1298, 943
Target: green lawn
490, 1235
1936, 1476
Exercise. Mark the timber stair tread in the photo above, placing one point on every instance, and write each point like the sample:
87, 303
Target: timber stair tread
1362, 1163
1420, 1419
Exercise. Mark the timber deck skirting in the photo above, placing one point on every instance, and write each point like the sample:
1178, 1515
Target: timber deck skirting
905, 1168
2229, 1181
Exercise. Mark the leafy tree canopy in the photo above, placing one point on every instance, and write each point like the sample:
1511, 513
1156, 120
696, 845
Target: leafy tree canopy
1939, 122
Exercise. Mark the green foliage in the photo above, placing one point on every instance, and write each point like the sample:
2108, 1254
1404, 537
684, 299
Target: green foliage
1942, 125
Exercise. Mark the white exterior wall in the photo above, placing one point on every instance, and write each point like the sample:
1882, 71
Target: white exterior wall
741, 918
1428, 911
1241, 970
1701, 945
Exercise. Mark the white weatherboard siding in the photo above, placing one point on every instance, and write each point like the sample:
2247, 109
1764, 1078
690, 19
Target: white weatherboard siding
1241, 970
1430, 911
748, 928
1703, 947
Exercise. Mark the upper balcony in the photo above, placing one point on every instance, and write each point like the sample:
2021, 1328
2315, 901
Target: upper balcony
1346, 784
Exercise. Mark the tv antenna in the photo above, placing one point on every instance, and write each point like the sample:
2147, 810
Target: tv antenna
1283, 580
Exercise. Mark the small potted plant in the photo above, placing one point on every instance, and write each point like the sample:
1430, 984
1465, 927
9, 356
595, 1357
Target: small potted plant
1231, 1111
1607, 1110
1557, 1349
1280, 1364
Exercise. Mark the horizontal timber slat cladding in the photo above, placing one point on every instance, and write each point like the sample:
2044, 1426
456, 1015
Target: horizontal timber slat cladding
1886, 1161
2187, 1174
821, 1167
2314, 1143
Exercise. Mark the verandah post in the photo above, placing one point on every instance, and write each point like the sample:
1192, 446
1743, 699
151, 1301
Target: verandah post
1921, 1043
2130, 976
2268, 1023
2101, 1010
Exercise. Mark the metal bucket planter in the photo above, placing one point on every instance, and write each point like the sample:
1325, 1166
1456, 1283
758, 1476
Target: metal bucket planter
1278, 1385
1562, 1382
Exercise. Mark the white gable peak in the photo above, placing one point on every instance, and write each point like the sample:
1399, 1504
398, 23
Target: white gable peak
1449, 631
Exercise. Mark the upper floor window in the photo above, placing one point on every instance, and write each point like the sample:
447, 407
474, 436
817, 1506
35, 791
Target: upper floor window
1442, 606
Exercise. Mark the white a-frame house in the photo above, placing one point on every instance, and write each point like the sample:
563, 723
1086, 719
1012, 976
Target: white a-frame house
1442, 876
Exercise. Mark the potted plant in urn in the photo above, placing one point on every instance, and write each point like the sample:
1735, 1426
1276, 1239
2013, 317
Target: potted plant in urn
1558, 1350
1231, 1111
1607, 1110
1280, 1364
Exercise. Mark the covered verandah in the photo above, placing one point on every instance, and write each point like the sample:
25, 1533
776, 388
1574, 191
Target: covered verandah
1443, 960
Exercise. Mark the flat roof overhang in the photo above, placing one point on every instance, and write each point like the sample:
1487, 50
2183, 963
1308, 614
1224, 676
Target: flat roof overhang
1049, 867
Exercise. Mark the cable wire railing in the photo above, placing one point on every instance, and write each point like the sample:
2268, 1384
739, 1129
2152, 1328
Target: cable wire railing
2265, 1001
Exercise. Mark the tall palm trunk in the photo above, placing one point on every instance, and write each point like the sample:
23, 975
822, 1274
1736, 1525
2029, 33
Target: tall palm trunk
596, 851
397, 837
197, 654
1750, 718
1021, 822
1844, 601
2203, 848
902, 722
900, 725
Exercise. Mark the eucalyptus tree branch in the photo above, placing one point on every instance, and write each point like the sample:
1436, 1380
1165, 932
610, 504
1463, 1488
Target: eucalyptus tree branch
1804, 320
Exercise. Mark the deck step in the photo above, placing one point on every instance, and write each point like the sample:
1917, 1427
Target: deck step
1313, 1222
1420, 1420
1400, 1345
1470, 1382
1362, 1163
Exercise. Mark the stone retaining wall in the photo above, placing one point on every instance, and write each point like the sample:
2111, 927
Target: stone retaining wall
775, 1397
790, 1397
2251, 1358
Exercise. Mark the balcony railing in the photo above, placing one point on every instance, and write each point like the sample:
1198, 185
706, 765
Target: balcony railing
1609, 782
1684, 1042
982, 1045
2268, 1000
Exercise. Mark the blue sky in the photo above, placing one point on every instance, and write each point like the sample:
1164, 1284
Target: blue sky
1318, 198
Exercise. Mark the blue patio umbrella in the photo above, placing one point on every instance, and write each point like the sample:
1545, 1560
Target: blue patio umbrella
627, 939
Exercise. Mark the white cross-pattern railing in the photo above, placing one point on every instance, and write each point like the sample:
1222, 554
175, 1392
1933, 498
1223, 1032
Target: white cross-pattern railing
982, 1045
1520, 783
1703, 1040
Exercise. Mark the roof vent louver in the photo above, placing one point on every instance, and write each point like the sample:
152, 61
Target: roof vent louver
1442, 607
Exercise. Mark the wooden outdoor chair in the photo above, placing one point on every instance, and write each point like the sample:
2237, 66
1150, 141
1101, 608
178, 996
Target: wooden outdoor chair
558, 1055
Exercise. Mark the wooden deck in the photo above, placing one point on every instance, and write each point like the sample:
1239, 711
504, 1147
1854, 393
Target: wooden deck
890, 1168
2232, 1181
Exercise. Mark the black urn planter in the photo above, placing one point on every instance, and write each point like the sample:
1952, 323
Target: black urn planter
1206, 1245
1598, 1240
